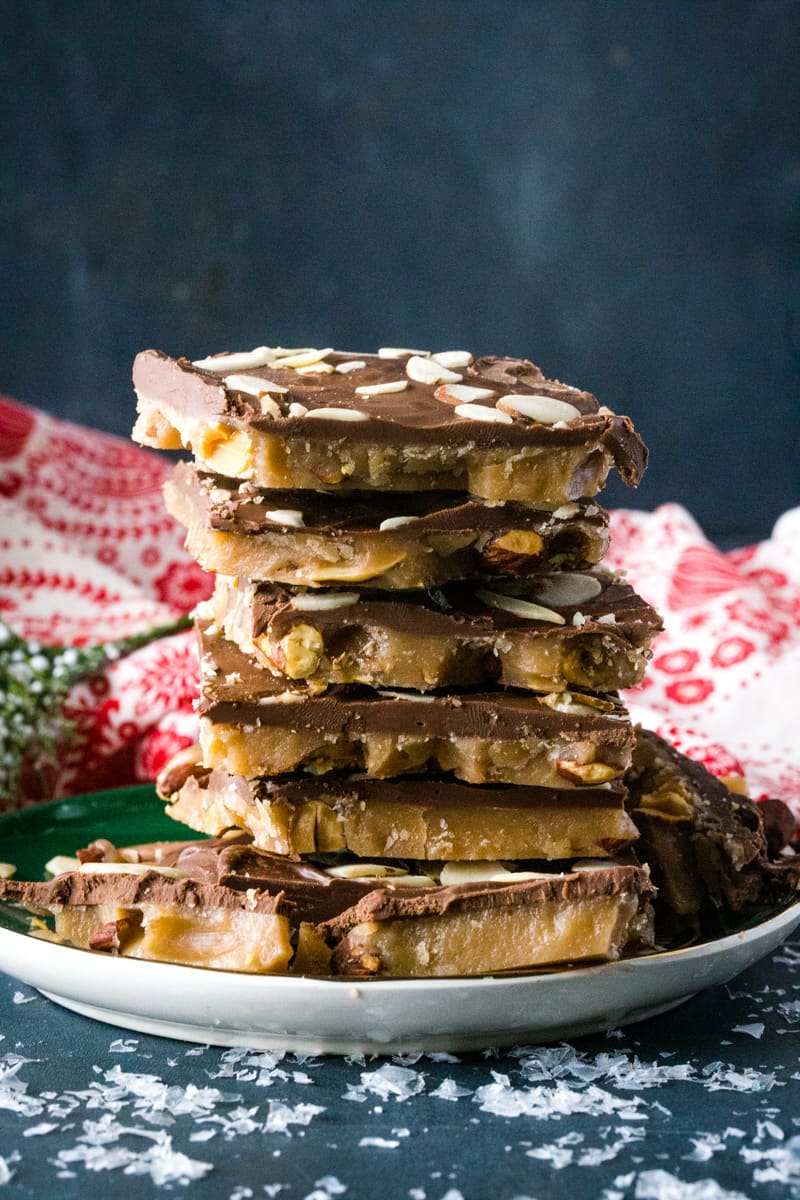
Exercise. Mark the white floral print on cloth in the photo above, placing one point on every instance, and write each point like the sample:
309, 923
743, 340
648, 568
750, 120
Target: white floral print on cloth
87, 552
724, 680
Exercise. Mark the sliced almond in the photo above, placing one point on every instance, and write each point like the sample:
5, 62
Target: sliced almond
566, 511
319, 368
253, 385
400, 352
588, 774
122, 868
7, 870
363, 870
394, 694
269, 407
244, 361
225, 448
520, 608
320, 602
567, 589
396, 523
479, 412
286, 516
353, 364
453, 358
60, 863
337, 414
455, 873
304, 358
382, 389
425, 370
297, 410
544, 409
462, 393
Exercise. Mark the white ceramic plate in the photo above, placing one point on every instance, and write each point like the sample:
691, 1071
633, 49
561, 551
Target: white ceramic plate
380, 1016
318, 1015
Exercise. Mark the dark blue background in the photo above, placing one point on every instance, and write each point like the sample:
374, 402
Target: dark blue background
608, 187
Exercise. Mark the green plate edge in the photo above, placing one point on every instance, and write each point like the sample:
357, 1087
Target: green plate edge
126, 816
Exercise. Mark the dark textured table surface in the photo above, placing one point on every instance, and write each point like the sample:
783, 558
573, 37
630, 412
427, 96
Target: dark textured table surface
702, 1103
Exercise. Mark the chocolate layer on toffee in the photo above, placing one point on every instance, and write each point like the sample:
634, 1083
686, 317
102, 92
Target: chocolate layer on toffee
520, 918
547, 634
403, 423
392, 541
255, 724
420, 818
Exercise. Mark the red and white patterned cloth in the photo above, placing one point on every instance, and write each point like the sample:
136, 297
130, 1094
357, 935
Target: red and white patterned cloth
87, 552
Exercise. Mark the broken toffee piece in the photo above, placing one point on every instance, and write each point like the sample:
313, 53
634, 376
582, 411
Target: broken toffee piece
392, 541
147, 905
368, 919
547, 634
397, 421
254, 724
420, 818
706, 845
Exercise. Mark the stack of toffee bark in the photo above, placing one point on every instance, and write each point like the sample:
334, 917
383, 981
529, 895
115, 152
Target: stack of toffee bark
413, 759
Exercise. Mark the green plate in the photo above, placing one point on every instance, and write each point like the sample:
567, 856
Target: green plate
126, 816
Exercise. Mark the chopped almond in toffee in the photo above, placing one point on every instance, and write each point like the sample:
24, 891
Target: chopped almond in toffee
392, 541
458, 635
255, 724
428, 817
345, 430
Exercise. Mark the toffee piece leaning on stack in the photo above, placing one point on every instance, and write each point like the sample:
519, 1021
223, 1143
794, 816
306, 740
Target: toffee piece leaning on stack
412, 754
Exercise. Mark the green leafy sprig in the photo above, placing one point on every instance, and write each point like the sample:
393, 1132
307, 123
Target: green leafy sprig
34, 681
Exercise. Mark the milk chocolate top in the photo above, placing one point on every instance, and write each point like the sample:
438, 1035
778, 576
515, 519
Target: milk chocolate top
413, 416
463, 610
235, 507
237, 691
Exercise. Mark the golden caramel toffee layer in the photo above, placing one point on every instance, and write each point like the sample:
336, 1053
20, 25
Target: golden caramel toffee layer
396, 421
420, 818
252, 723
706, 845
547, 634
391, 541
190, 902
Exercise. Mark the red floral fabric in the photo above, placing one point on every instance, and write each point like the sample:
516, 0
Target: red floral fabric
88, 552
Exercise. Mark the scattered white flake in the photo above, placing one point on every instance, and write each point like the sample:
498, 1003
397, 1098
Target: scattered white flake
769, 1129
790, 1011
281, 1116
784, 1162
159, 1160
124, 1046
557, 1156
241, 1193
723, 1078
660, 1185
38, 1130
546, 1102
705, 1147
388, 1081
202, 1135
754, 1030
448, 1089
417, 1194
331, 1186
6, 1174
453, 1194
380, 1143
21, 998
272, 1189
